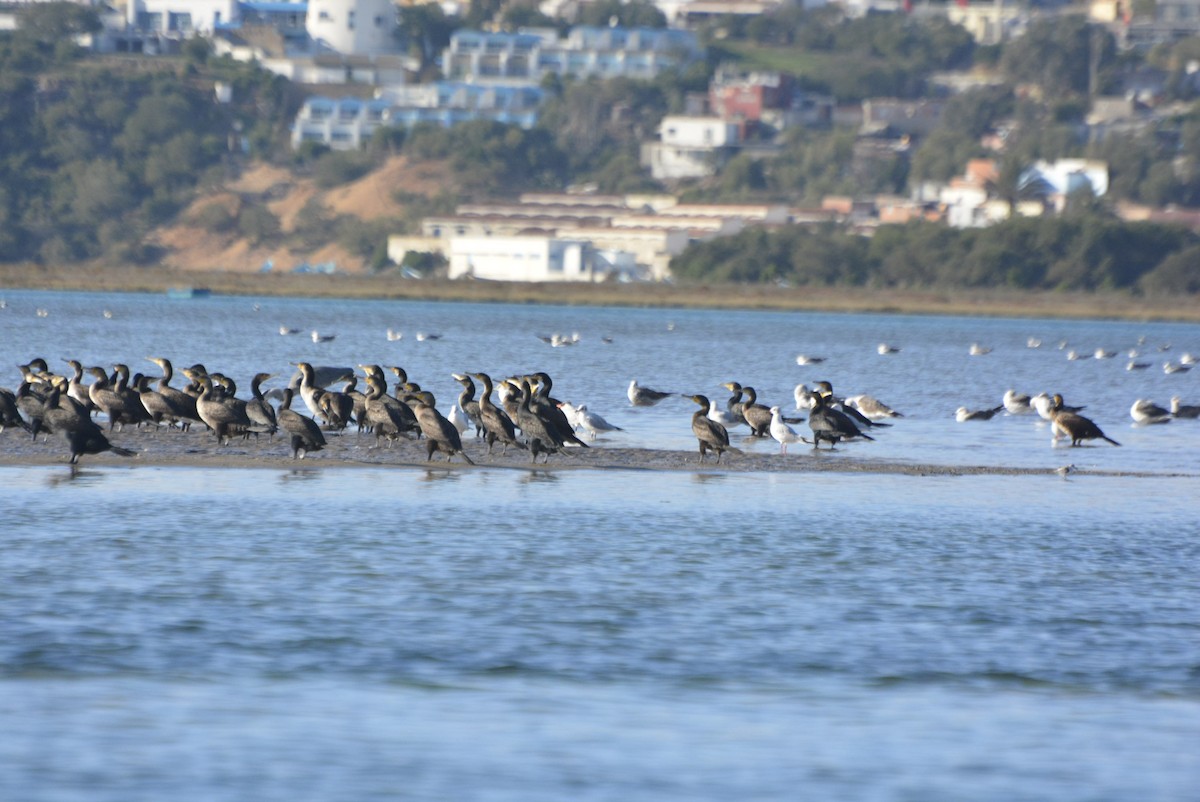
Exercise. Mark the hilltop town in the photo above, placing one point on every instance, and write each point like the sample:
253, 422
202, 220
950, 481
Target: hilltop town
863, 143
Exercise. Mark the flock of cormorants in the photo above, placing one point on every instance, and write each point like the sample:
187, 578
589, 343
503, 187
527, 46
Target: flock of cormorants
524, 414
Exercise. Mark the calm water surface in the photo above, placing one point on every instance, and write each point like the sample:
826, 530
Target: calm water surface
308, 634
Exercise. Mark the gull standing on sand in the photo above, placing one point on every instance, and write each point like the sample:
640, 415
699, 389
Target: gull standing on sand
593, 423
782, 433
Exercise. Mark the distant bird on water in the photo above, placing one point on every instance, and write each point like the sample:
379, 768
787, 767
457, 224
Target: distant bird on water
1145, 411
1181, 410
962, 414
644, 396
317, 337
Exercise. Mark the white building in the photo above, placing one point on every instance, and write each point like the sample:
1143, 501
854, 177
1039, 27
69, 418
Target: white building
363, 27
585, 52
690, 147
1060, 178
348, 123
182, 17
524, 258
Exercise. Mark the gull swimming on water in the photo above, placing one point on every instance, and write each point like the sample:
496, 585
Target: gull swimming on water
644, 396
317, 337
1145, 411
872, 407
394, 336
1016, 403
884, 349
1175, 367
805, 359
1180, 410
963, 414
979, 350
804, 397
723, 416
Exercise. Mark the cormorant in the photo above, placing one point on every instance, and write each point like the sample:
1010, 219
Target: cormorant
106, 399
467, 402
67, 417
757, 416
497, 425
1065, 423
220, 415
831, 425
839, 405
76, 388
10, 414
440, 434
384, 415
258, 409
306, 436
182, 402
709, 433
539, 436
549, 410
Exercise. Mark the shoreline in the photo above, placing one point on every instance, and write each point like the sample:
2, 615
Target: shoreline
174, 449
985, 303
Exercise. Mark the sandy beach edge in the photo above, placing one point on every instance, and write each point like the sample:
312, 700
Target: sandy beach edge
276, 455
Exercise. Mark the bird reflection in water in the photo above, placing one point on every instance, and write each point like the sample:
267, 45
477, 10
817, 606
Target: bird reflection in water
299, 475
74, 475
540, 478
438, 476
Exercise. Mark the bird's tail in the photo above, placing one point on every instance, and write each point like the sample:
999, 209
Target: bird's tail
867, 437
123, 452
1109, 439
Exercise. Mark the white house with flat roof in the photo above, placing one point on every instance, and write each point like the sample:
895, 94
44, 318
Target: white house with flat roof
690, 147
524, 258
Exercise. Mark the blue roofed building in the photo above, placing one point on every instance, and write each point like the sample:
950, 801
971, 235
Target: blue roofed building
530, 55
348, 123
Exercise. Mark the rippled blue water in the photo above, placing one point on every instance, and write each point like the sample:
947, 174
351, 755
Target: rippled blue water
308, 634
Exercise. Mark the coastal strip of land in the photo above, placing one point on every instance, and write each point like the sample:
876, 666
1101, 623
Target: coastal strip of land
989, 303
162, 448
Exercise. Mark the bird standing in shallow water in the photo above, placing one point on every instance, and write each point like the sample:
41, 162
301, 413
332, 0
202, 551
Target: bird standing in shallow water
1064, 423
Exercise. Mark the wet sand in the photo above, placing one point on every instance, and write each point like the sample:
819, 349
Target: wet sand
199, 449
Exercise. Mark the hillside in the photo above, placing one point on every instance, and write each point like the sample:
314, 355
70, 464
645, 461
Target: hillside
192, 247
